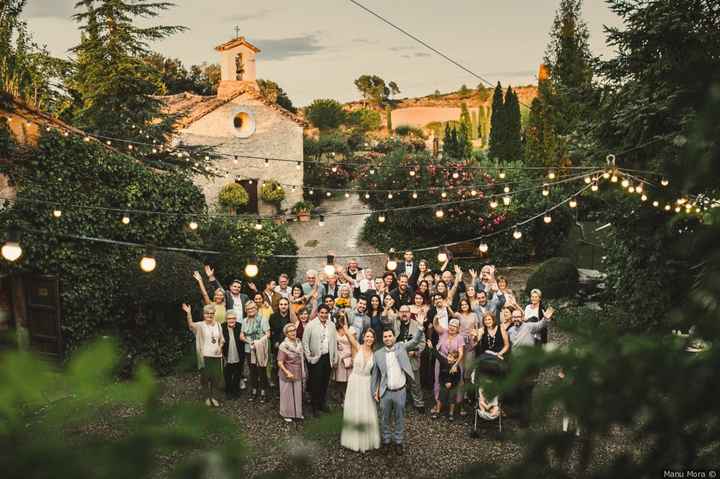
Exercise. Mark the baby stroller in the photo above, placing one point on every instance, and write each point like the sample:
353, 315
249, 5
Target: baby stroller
482, 415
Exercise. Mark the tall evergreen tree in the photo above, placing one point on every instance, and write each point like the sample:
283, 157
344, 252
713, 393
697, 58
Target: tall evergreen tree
465, 118
497, 125
113, 85
513, 137
570, 62
464, 142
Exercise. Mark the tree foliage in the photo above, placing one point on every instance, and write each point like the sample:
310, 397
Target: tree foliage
375, 90
200, 79
325, 114
498, 124
274, 92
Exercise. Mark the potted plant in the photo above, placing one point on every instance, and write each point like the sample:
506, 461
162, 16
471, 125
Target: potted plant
302, 210
233, 196
272, 192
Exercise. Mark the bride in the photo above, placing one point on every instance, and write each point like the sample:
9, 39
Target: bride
360, 431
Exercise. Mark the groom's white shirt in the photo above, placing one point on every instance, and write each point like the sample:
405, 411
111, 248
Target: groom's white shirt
396, 376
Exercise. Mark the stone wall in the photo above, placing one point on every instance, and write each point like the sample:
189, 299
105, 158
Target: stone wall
275, 136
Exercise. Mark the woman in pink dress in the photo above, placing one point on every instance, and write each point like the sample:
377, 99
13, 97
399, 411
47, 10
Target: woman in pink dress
291, 373
450, 341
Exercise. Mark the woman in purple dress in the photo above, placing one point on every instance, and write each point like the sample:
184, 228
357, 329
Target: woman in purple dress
451, 341
291, 371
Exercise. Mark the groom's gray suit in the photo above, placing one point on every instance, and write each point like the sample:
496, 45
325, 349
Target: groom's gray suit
393, 399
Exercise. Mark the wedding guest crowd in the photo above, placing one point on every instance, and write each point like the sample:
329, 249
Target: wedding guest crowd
400, 333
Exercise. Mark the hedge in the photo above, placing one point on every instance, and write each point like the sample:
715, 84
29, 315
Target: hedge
556, 278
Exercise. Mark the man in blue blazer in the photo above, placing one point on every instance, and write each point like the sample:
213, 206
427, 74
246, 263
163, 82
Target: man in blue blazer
390, 375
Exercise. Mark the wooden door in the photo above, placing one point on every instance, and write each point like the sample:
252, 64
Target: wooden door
251, 186
41, 315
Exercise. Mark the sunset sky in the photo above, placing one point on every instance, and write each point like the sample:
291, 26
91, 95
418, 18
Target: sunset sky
316, 48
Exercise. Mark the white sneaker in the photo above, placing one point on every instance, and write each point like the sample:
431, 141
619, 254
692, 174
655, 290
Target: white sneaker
242, 384
215, 402
287, 419
207, 402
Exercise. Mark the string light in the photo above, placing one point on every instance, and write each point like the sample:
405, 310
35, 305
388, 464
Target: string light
130, 147
547, 219
258, 225
311, 192
456, 175
502, 177
86, 139
473, 192
483, 248
414, 195
439, 213
329, 268
517, 234
631, 189
656, 203
381, 218
594, 187
267, 163
442, 255
328, 194
322, 220
412, 172
664, 182
506, 200
573, 203
334, 169
57, 213
148, 263
193, 225
443, 194
390, 196
506, 189
251, 269
546, 190
587, 180
125, 219
606, 175
614, 178
493, 204
639, 188
668, 207
347, 195
11, 249
643, 197
551, 174
624, 183
372, 171
367, 196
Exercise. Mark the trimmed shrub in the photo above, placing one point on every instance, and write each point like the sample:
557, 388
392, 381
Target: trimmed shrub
556, 278
233, 195
272, 192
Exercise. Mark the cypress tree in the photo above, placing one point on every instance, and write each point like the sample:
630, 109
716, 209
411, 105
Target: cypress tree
513, 140
497, 125
465, 117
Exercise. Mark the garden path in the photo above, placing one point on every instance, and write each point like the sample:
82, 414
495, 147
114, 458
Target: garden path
340, 234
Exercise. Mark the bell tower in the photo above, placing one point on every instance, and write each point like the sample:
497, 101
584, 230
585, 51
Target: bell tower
237, 66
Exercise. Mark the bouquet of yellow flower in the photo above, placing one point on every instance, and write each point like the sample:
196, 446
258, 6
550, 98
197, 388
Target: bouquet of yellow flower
342, 302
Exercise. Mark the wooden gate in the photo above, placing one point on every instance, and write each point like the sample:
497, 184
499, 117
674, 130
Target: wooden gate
37, 314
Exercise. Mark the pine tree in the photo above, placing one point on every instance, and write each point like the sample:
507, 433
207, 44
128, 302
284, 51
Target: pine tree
464, 142
497, 125
114, 86
512, 146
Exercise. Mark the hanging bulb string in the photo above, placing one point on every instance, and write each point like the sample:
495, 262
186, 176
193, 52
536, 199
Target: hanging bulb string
283, 256
657, 187
251, 216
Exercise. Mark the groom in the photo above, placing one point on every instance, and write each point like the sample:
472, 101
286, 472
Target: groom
390, 375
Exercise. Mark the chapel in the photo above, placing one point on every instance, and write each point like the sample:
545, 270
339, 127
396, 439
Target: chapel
246, 128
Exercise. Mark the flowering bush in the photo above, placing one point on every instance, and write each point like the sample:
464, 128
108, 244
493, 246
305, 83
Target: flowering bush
272, 192
342, 303
233, 195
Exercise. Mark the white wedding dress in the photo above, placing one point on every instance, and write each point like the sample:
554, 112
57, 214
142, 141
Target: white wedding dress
361, 430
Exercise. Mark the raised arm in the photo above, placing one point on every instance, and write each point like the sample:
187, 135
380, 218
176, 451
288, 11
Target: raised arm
201, 285
416, 340
354, 345
188, 315
456, 284
211, 277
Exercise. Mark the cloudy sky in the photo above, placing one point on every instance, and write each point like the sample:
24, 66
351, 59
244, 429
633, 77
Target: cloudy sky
316, 48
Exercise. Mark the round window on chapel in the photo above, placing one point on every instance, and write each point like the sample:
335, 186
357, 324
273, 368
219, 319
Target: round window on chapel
244, 124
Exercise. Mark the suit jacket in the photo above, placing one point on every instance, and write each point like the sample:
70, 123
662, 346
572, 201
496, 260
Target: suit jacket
312, 336
273, 299
412, 277
379, 373
400, 298
229, 301
226, 336
414, 328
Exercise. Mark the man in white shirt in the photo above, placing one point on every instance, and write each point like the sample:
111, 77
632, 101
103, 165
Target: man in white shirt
391, 374
283, 288
320, 345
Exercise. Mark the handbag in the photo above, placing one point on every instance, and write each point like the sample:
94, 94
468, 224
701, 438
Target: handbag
347, 362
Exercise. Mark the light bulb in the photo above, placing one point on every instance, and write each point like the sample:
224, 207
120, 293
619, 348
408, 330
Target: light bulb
656, 203
547, 219
125, 220
328, 194
502, 177
624, 183
614, 179
11, 250
493, 204
517, 234
439, 213
443, 194
390, 196
130, 147
631, 189
57, 213
297, 166
412, 172
414, 195
667, 207
329, 270
381, 218
594, 187
551, 175
267, 163
322, 221
347, 195
506, 200
473, 192
372, 171
86, 139
193, 225
677, 209
573, 203
639, 188
251, 270
456, 175
258, 225
311, 192
442, 257
664, 182
606, 175
148, 263
587, 180
483, 247
334, 169
367, 196
506, 189
391, 265
545, 190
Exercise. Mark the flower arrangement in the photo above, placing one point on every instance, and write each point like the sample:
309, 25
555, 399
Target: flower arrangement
272, 192
342, 302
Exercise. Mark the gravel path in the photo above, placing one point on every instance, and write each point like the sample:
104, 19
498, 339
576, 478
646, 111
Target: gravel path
339, 234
